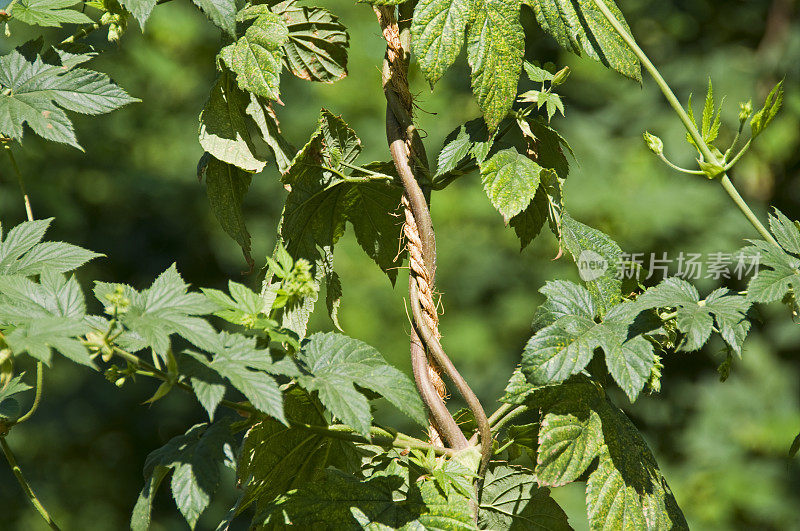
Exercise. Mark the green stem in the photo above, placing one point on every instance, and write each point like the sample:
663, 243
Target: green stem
667, 316
346, 178
678, 168
81, 33
735, 159
497, 415
708, 155
375, 174
20, 181
12, 462
508, 418
735, 141
38, 397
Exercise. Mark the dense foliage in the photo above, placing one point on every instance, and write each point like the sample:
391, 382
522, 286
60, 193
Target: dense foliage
306, 449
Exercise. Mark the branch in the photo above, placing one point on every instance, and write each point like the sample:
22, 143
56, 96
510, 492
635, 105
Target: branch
708, 155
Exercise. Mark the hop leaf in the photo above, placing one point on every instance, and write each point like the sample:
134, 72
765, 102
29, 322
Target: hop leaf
337, 364
38, 93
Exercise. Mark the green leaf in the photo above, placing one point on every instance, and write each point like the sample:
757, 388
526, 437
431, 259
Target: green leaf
528, 223
337, 364
590, 246
47, 13
246, 308
223, 129
317, 46
220, 12
560, 350
226, 186
260, 110
22, 253
469, 141
547, 205
38, 93
314, 214
256, 56
537, 74
563, 298
495, 50
548, 146
370, 208
570, 436
249, 370
207, 384
580, 27
767, 113
275, 458
9, 405
44, 316
627, 490
544, 98
711, 122
140, 518
569, 330
512, 499
785, 231
195, 458
140, 9
518, 389
438, 30
162, 310
322, 201
510, 179
695, 318
342, 501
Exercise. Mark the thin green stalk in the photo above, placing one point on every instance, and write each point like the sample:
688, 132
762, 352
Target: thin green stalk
12, 462
508, 418
708, 155
374, 174
37, 397
497, 415
20, 181
678, 168
735, 159
81, 33
736, 141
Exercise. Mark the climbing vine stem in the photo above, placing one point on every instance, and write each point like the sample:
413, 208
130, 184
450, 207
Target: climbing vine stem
12, 462
708, 155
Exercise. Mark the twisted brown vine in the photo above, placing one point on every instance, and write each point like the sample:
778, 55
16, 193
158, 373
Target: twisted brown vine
405, 145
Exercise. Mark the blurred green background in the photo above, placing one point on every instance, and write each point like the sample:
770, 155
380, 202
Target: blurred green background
134, 196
